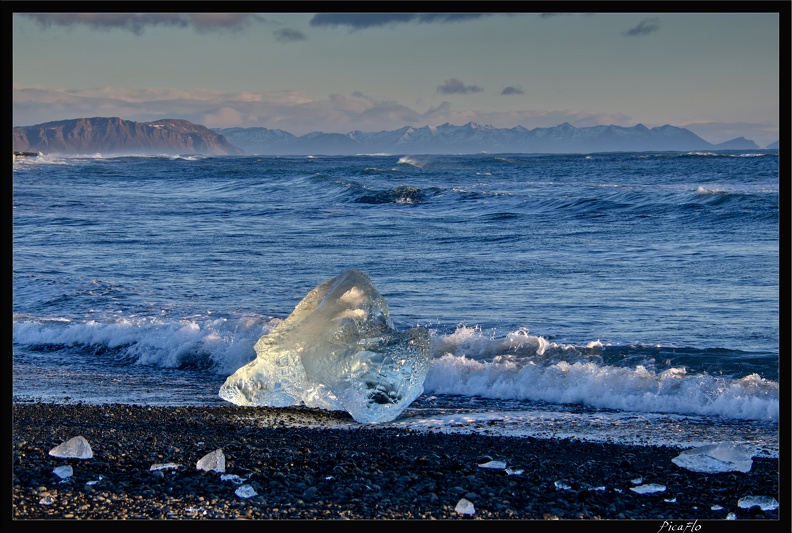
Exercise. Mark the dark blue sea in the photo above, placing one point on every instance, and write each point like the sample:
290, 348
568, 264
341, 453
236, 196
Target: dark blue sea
625, 297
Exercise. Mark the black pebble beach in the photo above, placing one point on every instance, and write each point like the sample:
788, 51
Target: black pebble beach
313, 472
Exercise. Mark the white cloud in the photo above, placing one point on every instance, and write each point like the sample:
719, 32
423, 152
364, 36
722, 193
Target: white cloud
224, 117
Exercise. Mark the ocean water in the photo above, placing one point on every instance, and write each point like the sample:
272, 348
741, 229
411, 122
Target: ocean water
624, 297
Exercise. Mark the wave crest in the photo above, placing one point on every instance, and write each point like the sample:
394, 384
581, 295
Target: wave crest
605, 386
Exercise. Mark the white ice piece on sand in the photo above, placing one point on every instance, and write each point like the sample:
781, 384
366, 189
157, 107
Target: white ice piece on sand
338, 350
164, 466
464, 506
765, 503
498, 465
64, 471
246, 491
212, 461
648, 488
716, 458
76, 448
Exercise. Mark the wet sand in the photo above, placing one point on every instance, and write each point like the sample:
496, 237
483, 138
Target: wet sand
309, 464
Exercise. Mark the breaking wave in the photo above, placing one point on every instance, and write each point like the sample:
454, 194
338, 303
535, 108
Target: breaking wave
468, 362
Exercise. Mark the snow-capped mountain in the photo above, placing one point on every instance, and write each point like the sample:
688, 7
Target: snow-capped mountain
475, 138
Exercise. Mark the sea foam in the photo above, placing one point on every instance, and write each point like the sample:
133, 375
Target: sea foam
603, 386
466, 361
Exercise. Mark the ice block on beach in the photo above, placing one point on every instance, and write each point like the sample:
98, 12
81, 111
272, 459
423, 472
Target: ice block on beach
715, 458
338, 350
212, 461
64, 472
765, 503
75, 448
464, 506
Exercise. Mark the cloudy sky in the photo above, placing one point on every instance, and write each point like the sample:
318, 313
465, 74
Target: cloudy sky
716, 74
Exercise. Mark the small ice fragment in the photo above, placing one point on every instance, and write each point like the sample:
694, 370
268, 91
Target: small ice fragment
731, 516
246, 491
765, 503
465, 507
212, 461
164, 466
670, 500
46, 500
648, 488
717, 507
637, 481
233, 478
64, 471
76, 448
560, 485
500, 465
716, 458
510, 472
600, 488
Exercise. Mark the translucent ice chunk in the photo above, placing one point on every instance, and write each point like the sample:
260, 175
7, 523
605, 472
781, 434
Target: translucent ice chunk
164, 466
715, 458
648, 488
64, 471
338, 350
76, 448
499, 465
246, 491
212, 461
464, 506
765, 503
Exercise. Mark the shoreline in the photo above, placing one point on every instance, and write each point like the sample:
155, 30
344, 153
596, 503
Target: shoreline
302, 468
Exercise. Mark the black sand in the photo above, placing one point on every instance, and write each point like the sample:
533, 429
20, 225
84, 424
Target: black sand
362, 473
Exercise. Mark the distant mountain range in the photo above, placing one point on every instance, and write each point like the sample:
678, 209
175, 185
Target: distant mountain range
474, 138
173, 136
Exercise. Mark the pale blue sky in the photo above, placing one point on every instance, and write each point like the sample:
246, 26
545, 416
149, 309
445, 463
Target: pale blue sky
715, 73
